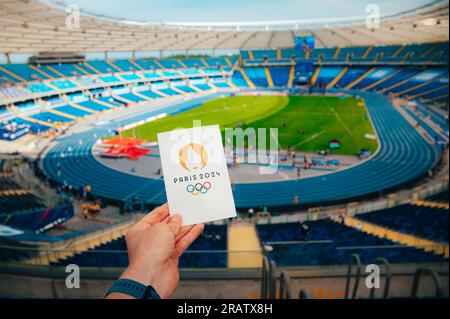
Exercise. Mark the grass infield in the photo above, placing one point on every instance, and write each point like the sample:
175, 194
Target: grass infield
307, 123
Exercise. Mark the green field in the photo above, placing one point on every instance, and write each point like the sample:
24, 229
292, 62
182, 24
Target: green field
307, 123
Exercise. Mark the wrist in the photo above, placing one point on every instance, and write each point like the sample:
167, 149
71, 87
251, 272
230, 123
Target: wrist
143, 277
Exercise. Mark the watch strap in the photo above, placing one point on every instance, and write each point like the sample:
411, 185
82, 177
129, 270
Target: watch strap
134, 289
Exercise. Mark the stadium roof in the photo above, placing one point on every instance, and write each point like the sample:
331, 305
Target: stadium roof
32, 26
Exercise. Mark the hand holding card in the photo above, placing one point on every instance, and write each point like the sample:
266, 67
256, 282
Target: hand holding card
195, 174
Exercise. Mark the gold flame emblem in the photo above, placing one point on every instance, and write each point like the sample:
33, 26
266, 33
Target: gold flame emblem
193, 157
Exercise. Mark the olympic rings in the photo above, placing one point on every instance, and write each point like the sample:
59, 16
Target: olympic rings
198, 188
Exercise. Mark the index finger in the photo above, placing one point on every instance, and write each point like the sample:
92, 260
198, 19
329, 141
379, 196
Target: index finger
156, 215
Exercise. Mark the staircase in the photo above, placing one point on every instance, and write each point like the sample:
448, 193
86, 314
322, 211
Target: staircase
12, 74
41, 72
133, 62
247, 79
244, 250
430, 204
315, 75
228, 61
92, 68
362, 77
269, 77
337, 78
366, 54
382, 80
70, 116
291, 76
31, 119
250, 55
57, 251
114, 67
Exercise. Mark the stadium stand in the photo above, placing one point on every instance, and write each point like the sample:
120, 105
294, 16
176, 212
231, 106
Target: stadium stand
18, 201
22, 210
193, 63
257, 76
16, 253
7, 184
96, 107
329, 242
32, 124
49, 117
394, 130
53, 97
208, 251
11, 130
413, 82
14, 199
280, 76
132, 97
73, 111
37, 220
425, 222
441, 197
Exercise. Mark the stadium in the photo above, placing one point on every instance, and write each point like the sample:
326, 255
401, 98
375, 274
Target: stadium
357, 149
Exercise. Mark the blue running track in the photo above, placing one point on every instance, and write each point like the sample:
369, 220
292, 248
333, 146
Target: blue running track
403, 156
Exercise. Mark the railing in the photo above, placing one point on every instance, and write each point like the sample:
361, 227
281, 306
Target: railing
269, 287
275, 284
436, 280
387, 276
285, 285
101, 258
265, 278
400, 198
293, 253
317, 62
357, 260
328, 249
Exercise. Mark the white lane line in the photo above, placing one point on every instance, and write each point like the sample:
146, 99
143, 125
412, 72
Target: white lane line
312, 137
338, 117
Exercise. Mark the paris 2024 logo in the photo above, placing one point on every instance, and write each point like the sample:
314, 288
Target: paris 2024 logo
193, 157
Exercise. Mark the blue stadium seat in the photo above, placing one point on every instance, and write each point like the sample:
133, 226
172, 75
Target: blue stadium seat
72, 111
24, 71
330, 243
114, 253
51, 117
424, 222
280, 75
257, 76
132, 97
93, 105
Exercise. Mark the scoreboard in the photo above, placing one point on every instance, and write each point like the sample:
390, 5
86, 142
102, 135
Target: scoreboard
304, 43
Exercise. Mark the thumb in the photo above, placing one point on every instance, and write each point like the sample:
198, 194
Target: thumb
175, 224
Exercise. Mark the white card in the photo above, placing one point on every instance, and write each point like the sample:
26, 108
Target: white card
196, 175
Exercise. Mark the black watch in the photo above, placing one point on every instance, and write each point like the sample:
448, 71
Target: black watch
134, 289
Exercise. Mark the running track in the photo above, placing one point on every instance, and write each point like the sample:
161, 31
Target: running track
403, 156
